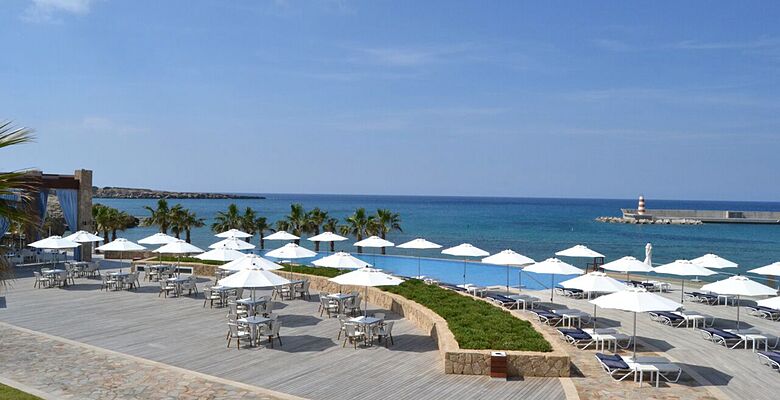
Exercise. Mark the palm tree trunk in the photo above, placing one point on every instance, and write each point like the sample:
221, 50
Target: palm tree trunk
262, 241
187, 234
317, 246
113, 234
332, 247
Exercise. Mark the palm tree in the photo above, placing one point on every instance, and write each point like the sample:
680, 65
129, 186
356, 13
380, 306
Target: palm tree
356, 225
102, 218
261, 226
224, 221
385, 221
120, 221
295, 222
331, 225
19, 183
315, 218
188, 221
248, 222
161, 216
176, 219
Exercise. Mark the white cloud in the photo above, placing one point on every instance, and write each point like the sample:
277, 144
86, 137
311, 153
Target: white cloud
411, 56
48, 10
761, 43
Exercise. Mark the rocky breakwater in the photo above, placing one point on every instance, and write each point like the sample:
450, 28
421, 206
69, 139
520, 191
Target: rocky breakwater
649, 221
110, 192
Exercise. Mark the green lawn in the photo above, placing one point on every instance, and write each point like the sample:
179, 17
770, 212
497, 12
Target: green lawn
170, 259
475, 324
319, 271
9, 393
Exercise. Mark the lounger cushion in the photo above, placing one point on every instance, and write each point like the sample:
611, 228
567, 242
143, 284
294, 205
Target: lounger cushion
721, 333
612, 362
671, 316
772, 355
767, 309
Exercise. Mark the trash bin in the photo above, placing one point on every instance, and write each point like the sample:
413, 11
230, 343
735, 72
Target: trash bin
498, 364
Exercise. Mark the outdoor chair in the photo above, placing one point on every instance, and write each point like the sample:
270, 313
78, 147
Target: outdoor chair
274, 331
614, 366
211, 296
569, 292
342, 325
322, 296
577, 337
548, 318
770, 358
385, 331
328, 306
40, 280
237, 332
764, 312
353, 335
719, 336
667, 318
303, 290
706, 298
107, 282
234, 310
165, 287
190, 286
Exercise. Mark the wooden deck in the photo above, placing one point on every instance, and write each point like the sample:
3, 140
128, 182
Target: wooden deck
731, 373
311, 363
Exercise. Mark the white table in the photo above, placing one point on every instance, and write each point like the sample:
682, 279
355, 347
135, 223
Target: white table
367, 323
726, 298
692, 319
340, 298
252, 303
254, 322
606, 338
569, 316
755, 338
525, 300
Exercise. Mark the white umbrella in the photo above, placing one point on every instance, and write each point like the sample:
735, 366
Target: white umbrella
683, 268
55, 243
121, 245
373, 241
465, 250
281, 235
327, 237
580, 251
253, 278
83, 237
158, 238
554, 267
419, 244
597, 282
232, 243
250, 261
366, 277
739, 286
233, 233
222, 254
341, 260
636, 300
772, 302
713, 261
771, 269
291, 251
509, 258
179, 247
628, 265
649, 254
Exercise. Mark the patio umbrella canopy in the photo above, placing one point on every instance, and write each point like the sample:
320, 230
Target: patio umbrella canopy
291, 251
419, 244
366, 277
222, 254
341, 260
628, 265
636, 300
554, 267
580, 251
373, 241
281, 235
121, 245
158, 238
253, 278
713, 261
772, 302
327, 237
739, 286
597, 282
771, 269
83, 237
55, 243
683, 268
233, 233
509, 258
465, 250
232, 243
179, 247
250, 261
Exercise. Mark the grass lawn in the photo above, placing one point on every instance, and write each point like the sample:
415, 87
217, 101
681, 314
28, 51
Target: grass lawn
319, 271
170, 259
475, 324
9, 393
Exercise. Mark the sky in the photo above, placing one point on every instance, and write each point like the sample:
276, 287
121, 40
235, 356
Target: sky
609, 99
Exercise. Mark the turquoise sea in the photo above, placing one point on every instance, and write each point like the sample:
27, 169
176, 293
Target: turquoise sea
535, 227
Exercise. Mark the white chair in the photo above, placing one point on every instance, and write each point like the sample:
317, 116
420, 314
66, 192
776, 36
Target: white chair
40, 280
274, 331
353, 335
237, 332
302, 290
166, 287
327, 306
385, 331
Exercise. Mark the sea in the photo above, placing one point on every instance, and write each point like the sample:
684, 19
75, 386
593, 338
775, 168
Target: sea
535, 227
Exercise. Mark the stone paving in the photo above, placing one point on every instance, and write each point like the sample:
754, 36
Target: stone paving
70, 370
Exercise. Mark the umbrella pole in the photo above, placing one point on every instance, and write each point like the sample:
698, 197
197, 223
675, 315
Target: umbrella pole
520, 280
418, 267
682, 290
552, 287
365, 309
737, 312
634, 337
507, 279
464, 272
594, 318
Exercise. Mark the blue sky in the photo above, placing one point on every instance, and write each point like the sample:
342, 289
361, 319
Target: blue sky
573, 99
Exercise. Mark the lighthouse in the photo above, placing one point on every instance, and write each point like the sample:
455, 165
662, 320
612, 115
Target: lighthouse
640, 209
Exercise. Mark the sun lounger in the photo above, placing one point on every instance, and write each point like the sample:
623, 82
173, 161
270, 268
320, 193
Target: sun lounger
764, 312
501, 300
614, 366
720, 336
569, 292
701, 297
527, 300
667, 318
661, 367
452, 287
577, 337
770, 358
548, 318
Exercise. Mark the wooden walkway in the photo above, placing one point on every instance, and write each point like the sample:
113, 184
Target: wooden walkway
722, 372
310, 364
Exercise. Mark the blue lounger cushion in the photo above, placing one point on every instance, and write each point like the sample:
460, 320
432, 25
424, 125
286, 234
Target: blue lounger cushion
612, 362
772, 355
671, 316
546, 314
767, 309
721, 333
575, 333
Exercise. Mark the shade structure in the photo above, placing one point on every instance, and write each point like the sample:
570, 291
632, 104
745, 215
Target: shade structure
253, 278
281, 235
222, 254
465, 250
178, 247
554, 267
509, 258
771, 269
250, 261
83, 237
158, 238
121, 245
636, 300
628, 265
579, 251
233, 243
374, 241
714, 261
595, 282
341, 260
772, 302
419, 244
739, 286
233, 233
328, 237
649, 254
366, 277
55, 243
291, 251
683, 268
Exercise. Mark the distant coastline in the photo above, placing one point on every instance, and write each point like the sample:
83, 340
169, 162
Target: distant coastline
110, 192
